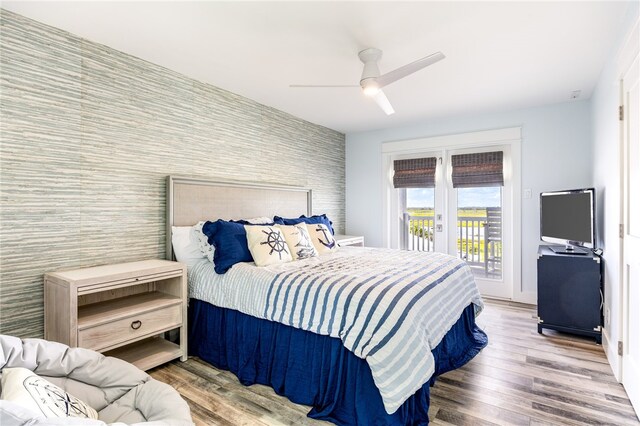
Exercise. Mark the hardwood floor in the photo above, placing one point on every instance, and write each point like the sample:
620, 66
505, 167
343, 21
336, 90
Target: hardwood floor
521, 378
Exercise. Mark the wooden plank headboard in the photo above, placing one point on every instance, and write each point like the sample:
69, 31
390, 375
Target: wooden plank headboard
190, 200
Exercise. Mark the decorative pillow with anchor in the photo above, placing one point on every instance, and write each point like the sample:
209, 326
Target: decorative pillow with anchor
267, 245
322, 238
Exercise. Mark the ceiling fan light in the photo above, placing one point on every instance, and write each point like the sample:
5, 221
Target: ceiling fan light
371, 91
370, 88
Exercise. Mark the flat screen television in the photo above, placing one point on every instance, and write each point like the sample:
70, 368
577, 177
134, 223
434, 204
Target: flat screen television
568, 218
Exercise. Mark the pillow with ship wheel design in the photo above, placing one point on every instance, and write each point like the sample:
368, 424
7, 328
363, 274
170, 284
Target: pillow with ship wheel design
322, 238
299, 241
28, 390
267, 245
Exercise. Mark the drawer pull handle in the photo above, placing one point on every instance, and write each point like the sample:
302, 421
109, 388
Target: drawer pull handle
136, 324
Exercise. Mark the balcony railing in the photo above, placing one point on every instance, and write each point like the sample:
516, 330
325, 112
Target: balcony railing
479, 239
470, 244
421, 232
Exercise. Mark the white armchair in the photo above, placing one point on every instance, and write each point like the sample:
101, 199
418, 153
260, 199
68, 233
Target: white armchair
118, 391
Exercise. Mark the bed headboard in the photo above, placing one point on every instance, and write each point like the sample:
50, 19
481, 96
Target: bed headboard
190, 200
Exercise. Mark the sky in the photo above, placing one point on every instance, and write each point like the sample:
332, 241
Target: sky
467, 197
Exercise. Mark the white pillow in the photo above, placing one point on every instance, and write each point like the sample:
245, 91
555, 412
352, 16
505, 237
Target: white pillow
262, 220
322, 238
299, 241
185, 245
267, 245
202, 241
23, 387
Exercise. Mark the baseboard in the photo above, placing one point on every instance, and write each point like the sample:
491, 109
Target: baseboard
528, 297
611, 351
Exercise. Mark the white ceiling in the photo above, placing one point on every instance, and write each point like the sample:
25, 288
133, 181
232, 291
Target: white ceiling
499, 55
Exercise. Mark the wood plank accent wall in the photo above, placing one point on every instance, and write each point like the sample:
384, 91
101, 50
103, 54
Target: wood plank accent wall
87, 136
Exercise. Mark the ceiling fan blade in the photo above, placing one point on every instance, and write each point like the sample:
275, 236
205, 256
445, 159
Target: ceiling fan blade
322, 85
383, 102
397, 74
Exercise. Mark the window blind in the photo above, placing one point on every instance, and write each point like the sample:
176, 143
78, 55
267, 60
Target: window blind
415, 173
478, 169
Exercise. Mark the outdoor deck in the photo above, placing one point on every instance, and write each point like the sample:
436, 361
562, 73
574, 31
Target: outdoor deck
479, 240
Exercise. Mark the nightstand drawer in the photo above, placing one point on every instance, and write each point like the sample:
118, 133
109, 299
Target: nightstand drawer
135, 327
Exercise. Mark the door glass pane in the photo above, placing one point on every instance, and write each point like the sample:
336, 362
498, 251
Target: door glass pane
479, 230
419, 215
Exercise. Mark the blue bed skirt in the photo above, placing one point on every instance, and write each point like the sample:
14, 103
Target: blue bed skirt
317, 370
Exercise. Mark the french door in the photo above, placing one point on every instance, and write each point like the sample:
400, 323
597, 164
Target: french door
471, 221
479, 224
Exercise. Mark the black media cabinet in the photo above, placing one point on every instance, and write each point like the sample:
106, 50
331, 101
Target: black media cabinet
570, 294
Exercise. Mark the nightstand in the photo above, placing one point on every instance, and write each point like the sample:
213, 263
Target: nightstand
349, 240
121, 310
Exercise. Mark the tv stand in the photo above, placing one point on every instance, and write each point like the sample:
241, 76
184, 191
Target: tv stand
569, 250
570, 293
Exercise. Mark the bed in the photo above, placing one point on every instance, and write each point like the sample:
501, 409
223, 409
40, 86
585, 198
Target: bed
360, 334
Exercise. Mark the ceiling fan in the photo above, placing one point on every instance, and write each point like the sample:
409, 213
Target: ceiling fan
372, 82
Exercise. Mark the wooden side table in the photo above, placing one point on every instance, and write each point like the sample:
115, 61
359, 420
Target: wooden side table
122, 310
349, 240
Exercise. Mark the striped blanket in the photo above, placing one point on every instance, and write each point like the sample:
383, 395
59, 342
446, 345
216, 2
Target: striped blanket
388, 307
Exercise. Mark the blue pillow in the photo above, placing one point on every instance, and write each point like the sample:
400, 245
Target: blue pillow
312, 220
230, 242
